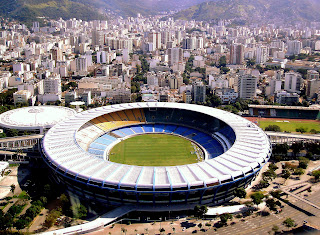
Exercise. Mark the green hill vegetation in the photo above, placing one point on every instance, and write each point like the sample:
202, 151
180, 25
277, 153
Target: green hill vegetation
28, 11
254, 11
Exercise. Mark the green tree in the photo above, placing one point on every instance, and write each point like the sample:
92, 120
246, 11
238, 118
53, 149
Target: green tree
6, 221
250, 62
286, 173
316, 174
257, 197
263, 184
199, 211
21, 223
3, 135
269, 175
240, 192
273, 166
289, 222
12, 188
275, 128
224, 218
224, 70
276, 193
313, 131
79, 211
299, 171
223, 61
12, 133
303, 162
272, 204
52, 217
301, 130
275, 228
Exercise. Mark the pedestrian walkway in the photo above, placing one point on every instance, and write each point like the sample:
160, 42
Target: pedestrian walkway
96, 224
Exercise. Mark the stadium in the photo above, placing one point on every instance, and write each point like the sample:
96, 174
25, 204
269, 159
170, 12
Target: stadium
169, 154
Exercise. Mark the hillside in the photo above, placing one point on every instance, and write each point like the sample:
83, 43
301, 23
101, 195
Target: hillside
27, 11
254, 10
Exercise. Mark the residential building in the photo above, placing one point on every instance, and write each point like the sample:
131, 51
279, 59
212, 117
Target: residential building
247, 86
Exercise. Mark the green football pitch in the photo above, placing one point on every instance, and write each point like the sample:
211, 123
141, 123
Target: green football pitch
154, 150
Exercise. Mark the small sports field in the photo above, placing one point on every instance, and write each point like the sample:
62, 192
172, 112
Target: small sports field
289, 125
154, 150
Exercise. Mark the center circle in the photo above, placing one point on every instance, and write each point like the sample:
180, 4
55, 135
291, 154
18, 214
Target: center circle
156, 150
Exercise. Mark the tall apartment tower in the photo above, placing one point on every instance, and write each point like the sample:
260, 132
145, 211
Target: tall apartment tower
294, 47
247, 86
155, 39
199, 92
292, 82
97, 38
237, 54
262, 53
175, 55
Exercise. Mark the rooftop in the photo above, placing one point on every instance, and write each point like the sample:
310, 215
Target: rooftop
34, 117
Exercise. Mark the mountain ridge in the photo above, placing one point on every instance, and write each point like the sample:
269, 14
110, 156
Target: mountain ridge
29, 10
253, 10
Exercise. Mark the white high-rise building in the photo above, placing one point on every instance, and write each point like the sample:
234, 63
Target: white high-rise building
81, 64
247, 86
155, 39
52, 85
175, 55
292, 82
262, 53
101, 57
294, 47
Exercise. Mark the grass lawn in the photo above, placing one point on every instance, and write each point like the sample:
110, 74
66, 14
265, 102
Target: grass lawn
291, 125
154, 150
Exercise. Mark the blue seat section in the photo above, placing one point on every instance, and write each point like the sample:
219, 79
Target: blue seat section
170, 128
158, 128
103, 141
199, 135
137, 129
148, 128
228, 133
108, 137
118, 133
127, 131
204, 140
96, 151
192, 119
97, 146
189, 132
180, 130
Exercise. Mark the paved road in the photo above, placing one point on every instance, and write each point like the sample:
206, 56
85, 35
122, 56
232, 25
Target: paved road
262, 225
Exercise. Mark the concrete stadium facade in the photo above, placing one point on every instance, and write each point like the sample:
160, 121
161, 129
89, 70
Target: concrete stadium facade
76, 150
